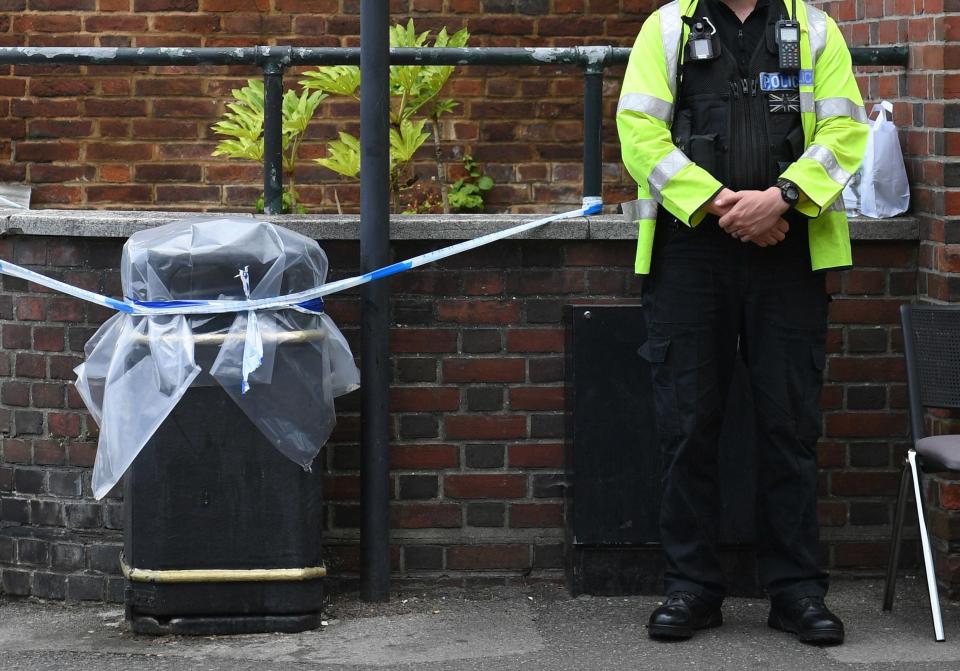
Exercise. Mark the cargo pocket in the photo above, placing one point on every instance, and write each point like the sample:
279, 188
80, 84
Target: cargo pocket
654, 351
809, 424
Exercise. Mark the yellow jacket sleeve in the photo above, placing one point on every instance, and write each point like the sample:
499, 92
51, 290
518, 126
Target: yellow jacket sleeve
644, 114
840, 135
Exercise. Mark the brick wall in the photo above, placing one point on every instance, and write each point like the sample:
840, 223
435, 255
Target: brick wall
477, 422
927, 111
111, 137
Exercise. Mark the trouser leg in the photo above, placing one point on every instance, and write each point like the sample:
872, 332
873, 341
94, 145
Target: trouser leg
785, 328
691, 346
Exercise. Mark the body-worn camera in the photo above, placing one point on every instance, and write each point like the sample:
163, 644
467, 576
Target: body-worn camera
702, 44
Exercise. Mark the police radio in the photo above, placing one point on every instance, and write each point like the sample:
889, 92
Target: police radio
702, 44
788, 42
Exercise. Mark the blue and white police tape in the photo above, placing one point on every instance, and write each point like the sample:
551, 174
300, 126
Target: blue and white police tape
309, 299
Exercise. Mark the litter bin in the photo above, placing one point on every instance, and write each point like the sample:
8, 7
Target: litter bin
215, 419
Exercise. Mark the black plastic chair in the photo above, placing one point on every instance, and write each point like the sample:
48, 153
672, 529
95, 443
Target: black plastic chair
931, 341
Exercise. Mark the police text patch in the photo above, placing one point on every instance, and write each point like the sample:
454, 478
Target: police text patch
779, 81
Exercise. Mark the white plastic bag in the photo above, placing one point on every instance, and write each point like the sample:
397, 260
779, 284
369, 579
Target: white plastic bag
884, 191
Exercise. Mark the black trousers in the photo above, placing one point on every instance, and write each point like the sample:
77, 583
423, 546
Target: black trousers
709, 299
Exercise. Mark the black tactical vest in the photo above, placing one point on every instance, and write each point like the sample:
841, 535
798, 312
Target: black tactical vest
728, 124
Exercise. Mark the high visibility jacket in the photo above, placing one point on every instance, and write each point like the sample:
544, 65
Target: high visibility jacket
832, 116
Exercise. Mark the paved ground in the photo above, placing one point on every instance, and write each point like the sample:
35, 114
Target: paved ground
537, 628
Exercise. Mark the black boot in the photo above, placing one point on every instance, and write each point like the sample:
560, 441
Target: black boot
682, 614
808, 618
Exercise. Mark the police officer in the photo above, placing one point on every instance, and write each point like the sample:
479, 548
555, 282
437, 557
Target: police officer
741, 122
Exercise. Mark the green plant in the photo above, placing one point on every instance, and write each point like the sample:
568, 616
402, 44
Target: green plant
467, 193
242, 125
413, 91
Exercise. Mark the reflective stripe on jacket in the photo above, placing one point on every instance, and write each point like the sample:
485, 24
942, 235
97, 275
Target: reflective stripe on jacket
832, 115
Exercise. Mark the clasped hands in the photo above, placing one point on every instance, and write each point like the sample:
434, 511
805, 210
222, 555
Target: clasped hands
752, 216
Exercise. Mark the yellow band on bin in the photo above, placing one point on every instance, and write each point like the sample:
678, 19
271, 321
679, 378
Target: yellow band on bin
220, 575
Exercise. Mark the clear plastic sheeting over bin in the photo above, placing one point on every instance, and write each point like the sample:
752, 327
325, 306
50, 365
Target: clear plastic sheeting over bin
283, 367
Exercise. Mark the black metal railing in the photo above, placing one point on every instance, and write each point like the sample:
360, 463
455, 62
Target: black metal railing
275, 60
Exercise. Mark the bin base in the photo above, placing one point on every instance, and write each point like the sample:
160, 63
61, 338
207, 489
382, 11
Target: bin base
226, 625
205, 609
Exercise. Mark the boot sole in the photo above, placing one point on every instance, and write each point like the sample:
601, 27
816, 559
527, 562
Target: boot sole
677, 633
829, 636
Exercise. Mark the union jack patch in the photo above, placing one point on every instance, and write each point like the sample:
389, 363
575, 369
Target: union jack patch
785, 102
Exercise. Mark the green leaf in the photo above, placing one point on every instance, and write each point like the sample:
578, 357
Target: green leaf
343, 156
405, 143
299, 110
340, 79
485, 183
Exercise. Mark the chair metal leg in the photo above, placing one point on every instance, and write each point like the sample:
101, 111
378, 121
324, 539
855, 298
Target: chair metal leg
893, 561
927, 552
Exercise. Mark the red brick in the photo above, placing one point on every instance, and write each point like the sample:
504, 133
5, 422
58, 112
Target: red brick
423, 340
16, 451
47, 395
861, 555
483, 370
865, 311
15, 394
867, 425
48, 453
46, 151
47, 23
883, 255
948, 494
599, 254
484, 486
482, 283
30, 308
864, 483
536, 455
479, 311
118, 151
535, 340
537, 398
112, 107
63, 424
119, 194
185, 23
81, 454
538, 515
424, 399
16, 336
867, 369
424, 457
865, 281
478, 557
165, 5
185, 107
31, 365
341, 487
832, 513
115, 24
425, 516
831, 455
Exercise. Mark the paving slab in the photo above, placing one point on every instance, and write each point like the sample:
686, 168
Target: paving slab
539, 627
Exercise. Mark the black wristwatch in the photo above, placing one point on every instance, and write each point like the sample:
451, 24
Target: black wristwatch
789, 192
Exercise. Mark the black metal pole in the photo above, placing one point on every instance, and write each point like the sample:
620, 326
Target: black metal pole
273, 137
593, 128
176, 56
375, 299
